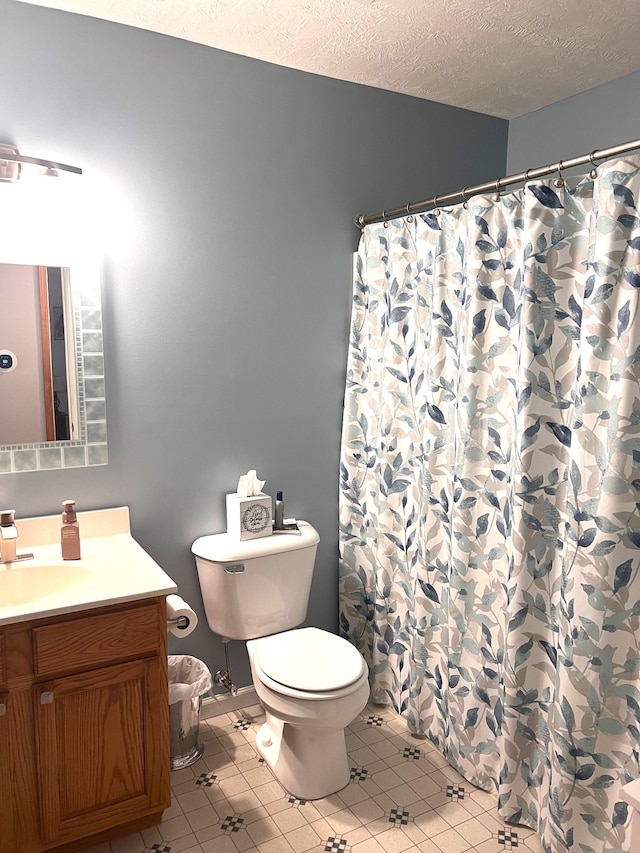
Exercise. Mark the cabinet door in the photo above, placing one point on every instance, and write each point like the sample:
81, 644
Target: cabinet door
103, 748
6, 795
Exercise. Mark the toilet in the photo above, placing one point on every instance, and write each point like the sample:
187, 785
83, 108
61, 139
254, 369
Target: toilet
312, 684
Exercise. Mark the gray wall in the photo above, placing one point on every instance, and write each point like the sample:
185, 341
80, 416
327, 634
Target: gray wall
229, 188
598, 118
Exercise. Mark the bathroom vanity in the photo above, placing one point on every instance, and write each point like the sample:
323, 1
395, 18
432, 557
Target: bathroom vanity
84, 745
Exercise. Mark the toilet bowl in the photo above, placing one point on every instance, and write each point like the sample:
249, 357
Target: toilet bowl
312, 684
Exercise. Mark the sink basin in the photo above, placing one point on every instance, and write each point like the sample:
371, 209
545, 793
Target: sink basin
113, 569
21, 583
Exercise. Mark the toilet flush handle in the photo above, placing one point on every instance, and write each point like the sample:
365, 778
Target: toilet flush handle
234, 568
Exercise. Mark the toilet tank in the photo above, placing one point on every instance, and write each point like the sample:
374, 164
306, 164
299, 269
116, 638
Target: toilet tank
256, 587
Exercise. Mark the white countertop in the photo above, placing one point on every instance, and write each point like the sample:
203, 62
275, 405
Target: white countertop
113, 568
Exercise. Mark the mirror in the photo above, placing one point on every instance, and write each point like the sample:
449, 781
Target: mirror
38, 382
52, 391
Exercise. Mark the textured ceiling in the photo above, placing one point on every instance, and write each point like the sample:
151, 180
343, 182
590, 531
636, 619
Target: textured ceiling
500, 57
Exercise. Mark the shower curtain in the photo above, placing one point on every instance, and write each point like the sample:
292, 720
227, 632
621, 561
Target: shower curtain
489, 493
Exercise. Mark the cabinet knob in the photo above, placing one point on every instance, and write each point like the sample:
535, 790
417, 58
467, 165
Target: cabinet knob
46, 698
3, 709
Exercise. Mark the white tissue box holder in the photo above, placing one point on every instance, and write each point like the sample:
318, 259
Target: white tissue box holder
249, 518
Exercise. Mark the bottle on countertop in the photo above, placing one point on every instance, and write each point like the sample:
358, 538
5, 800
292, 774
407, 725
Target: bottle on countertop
70, 532
278, 519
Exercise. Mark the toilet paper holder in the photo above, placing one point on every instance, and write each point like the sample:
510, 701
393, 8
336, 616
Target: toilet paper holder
180, 622
181, 619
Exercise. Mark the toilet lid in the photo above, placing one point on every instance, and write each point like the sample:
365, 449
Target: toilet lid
309, 659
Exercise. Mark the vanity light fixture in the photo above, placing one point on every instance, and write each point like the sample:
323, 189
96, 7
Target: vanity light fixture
12, 161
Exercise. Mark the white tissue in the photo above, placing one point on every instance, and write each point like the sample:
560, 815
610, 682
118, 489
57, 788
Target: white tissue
249, 484
177, 607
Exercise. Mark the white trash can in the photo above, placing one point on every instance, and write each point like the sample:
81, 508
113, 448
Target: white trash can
189, 680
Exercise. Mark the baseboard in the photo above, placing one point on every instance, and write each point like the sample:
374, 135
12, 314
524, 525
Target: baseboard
223, 703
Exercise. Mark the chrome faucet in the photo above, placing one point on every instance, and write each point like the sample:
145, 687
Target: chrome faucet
9, 538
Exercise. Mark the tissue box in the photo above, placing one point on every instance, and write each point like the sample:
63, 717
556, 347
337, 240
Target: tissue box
249, 518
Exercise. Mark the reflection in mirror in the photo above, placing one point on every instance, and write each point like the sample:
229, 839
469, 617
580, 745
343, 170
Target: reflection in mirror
52, 393
39, 390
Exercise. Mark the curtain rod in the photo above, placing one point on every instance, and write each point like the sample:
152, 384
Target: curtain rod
420, 206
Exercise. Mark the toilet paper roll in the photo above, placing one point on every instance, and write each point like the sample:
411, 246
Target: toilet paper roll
177, 607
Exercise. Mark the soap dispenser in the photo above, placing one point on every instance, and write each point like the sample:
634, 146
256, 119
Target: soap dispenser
70, 532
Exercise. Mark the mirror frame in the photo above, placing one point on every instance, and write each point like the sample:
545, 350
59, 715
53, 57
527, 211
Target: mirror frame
90, 449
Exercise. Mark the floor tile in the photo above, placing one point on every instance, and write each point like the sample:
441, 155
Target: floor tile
129, 844
329, 805
353, 794
173, 829
387, 779
431, 823
219, 845
269, 792
259, 775
263, 830
288, 819
451, 842
394, 841
178, 845
343, 821
302, 839
276, 845
402, 797
474, 831
371, 845
363, 755
189, 802
403, 794
428, 846
233, 785
207, 833
201, 818
367, 811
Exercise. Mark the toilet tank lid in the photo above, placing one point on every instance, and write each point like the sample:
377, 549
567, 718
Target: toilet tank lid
224, 548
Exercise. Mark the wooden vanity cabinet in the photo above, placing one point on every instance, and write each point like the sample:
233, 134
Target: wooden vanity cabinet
6, 812
87, 711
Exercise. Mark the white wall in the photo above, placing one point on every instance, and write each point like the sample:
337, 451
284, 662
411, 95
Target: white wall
601, 117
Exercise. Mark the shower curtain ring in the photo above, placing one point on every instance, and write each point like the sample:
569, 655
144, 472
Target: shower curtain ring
497, 195
559, 181
408, 209
435, 205
465, 200
385, 222
594, 172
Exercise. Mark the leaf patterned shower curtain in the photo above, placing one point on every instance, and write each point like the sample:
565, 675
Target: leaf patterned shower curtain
489, 495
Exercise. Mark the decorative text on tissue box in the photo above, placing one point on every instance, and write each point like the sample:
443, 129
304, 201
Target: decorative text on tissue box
249, 518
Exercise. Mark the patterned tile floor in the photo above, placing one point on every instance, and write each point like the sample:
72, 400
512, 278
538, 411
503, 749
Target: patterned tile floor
403, 797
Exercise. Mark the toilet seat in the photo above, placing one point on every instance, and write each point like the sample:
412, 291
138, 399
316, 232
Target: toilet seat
308, 663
